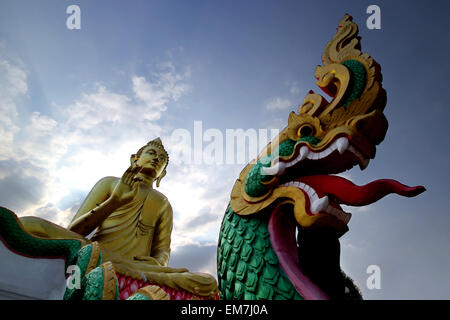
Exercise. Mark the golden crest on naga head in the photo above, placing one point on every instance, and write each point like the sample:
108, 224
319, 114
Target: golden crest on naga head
353, 80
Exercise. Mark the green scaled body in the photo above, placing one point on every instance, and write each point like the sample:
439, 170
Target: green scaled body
93, 285
139, 296
357, 81
248, 267
13, 234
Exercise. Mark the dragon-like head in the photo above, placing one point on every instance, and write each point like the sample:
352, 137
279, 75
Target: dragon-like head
295, 170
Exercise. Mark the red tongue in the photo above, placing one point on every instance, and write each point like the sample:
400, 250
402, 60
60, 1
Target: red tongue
350, 194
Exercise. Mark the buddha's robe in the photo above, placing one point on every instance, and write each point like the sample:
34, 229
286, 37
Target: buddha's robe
129, 235
132, 231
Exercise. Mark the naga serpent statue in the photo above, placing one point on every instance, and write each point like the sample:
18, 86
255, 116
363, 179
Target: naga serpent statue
279, 238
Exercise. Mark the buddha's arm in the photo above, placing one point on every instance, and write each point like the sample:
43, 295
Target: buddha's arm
161, 240
95, 208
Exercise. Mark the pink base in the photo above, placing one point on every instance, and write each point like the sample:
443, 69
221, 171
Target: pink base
128, 286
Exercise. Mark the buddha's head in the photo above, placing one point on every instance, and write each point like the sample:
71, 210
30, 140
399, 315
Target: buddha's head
153, 159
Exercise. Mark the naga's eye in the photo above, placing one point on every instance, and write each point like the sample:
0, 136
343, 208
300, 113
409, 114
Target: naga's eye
305, 131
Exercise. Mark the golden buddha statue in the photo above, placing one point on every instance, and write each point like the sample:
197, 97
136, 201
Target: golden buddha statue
132, 222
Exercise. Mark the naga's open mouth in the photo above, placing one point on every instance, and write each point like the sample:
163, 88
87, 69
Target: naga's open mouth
309, 170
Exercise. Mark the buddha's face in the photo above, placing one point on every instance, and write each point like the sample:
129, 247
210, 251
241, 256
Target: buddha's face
152, 160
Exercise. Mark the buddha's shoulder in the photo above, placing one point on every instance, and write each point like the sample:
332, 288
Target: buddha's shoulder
157, 199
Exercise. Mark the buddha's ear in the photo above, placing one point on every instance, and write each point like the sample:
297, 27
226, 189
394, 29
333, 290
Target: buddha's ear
160, 177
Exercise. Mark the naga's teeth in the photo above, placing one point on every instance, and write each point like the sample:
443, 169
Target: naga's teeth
346, 218
277, 169
304, 151
342, 144
364, 163
268, 171
319, 205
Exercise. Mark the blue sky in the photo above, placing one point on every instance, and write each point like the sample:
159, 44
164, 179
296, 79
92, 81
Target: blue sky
76, 103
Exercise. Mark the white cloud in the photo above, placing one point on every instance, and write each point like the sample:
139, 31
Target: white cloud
282, 103
155, 95
294, 89
199, 196
278, 103
13, 87
88, 139
106, 127
96, 108
14, 79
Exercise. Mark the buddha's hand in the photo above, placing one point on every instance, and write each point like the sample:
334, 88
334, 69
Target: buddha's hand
125, 190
